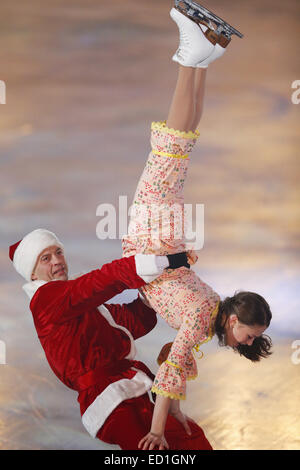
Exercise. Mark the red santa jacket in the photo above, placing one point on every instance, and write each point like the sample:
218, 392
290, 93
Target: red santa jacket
89, 344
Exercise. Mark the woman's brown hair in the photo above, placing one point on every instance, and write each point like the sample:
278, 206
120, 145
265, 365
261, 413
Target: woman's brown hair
251, 309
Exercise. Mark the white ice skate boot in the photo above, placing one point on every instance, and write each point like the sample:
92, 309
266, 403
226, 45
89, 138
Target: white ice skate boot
217, 52
194, 47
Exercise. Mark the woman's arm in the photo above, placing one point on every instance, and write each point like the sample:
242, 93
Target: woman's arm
156, 435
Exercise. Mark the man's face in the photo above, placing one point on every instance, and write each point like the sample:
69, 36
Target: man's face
50, 265
239, 333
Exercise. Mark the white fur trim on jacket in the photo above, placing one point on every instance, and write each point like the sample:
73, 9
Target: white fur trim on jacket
97, 413
99, 410
107, 315
149, 267
31, 287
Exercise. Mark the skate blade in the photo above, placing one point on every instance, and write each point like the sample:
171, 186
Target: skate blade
209, 33
198, 13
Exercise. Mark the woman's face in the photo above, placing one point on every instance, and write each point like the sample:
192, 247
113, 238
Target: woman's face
239, 333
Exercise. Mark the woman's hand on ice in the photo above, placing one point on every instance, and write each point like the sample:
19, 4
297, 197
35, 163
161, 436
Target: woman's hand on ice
156, 438
152, 440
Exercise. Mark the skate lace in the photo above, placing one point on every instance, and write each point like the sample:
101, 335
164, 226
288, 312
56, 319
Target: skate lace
184, 45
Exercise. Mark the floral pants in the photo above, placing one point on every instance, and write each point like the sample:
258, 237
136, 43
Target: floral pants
179, 296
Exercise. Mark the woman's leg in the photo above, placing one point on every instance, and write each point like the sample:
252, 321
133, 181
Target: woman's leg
187, 104
200, 80
182, 110
157, 211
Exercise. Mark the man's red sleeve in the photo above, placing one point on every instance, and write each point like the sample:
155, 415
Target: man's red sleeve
63, 300
135, 316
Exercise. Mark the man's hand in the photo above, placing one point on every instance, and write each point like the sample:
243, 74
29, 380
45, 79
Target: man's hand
178, 260
150, 266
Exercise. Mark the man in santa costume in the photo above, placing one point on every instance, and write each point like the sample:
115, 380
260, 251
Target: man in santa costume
89, 344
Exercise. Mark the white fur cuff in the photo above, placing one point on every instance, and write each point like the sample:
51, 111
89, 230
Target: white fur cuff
149, 267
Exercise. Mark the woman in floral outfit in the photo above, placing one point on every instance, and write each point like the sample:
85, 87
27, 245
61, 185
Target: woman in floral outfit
185, 301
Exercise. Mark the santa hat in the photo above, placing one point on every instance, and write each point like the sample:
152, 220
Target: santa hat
25, 252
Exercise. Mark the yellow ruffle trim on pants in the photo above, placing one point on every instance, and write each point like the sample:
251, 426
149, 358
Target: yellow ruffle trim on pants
162, 126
